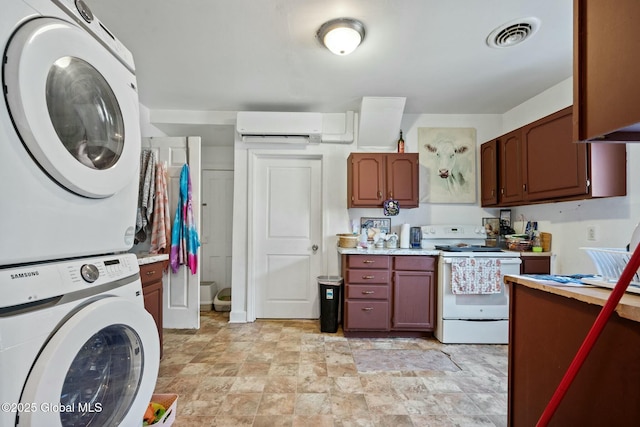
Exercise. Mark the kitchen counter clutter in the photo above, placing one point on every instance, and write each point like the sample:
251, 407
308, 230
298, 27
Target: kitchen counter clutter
384, 251
548, 325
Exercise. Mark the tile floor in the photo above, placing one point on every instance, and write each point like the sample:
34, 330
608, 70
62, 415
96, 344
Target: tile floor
287, 373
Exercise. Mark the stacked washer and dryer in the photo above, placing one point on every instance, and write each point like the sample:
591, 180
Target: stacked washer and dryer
77, 347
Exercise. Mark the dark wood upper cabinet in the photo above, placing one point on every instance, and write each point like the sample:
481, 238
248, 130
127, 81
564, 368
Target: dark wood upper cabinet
510, 171
373, 178
554, 167
402, 179
606, 87
365, 179
540, 163
489, 173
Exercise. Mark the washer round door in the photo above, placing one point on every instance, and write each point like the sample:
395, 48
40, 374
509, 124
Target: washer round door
74, 105
99, 368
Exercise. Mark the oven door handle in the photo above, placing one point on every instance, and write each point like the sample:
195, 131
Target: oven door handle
503, 261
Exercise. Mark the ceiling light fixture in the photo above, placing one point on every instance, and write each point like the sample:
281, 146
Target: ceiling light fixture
341, 36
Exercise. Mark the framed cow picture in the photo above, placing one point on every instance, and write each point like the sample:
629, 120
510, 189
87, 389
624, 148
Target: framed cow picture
447, 165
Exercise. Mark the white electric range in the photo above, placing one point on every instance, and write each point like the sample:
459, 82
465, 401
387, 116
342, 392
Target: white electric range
471, 317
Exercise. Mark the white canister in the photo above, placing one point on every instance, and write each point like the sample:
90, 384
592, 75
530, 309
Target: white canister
405, 242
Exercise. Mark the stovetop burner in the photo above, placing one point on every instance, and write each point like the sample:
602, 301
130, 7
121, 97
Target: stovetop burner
471, 248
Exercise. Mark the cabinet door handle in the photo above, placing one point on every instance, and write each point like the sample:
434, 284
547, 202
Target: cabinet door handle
368, 277
391, 194
367, 309
368, 261
368, 292
149, 273
379, 194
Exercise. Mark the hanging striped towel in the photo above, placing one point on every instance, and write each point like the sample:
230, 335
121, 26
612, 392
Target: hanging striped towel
145, 194
184, 235
475, 276
161, 225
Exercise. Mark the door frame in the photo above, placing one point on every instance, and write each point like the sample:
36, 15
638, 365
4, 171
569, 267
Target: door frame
253, 157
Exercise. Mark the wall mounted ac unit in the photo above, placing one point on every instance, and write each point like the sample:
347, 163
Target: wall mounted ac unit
279, 127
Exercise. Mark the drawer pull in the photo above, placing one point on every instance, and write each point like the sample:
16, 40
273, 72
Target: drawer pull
368, 277
149, 273
368, 261
368, 292
367, 309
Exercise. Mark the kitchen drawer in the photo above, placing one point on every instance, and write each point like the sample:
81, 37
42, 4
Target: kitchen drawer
369, 261
367, 292
535, 265
414, 263
367, 315
150, 273
368, 276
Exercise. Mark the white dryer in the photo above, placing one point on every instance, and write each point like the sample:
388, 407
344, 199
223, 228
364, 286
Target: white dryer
77, 347
69, 134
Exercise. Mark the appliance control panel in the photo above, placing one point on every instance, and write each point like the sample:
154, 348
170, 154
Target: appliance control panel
36, 282
454, 232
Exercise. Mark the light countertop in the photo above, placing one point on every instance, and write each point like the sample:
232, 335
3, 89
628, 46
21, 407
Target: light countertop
628, 307
432, 252
151, 258
385, 251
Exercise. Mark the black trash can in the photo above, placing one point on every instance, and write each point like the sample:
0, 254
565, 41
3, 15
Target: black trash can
330, 297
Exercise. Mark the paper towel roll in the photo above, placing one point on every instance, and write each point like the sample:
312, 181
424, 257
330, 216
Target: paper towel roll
404, 236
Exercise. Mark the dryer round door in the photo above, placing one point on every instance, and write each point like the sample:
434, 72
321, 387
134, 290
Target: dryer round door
74, 105
99, 368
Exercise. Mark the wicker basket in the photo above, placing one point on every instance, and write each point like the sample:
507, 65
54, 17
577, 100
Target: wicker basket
610, 262
346, 240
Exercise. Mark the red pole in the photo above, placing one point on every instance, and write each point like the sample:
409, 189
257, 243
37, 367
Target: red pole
592, 337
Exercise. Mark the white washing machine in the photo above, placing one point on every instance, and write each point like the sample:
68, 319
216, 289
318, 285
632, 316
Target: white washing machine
69, 134
77, 347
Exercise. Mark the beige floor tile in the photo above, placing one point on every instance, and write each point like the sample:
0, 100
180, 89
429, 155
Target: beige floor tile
287, 373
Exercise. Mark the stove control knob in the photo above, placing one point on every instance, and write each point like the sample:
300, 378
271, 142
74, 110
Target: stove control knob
89, 273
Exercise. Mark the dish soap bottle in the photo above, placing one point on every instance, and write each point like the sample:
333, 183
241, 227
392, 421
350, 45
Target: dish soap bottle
401, 144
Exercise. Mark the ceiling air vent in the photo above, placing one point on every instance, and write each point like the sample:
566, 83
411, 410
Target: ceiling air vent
513, 33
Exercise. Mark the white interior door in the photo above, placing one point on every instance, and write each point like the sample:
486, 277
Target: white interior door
287, 219
217, 226
181, 291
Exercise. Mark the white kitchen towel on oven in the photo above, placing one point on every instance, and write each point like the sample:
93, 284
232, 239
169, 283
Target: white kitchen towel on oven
475, 276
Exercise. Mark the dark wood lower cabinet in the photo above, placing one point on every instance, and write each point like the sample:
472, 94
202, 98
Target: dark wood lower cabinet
546, 331
535, 264
151, 277
389, 295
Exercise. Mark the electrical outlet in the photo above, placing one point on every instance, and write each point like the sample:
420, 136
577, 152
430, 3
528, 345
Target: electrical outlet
591, 233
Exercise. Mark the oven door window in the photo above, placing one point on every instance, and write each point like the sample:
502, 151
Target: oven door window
485, 299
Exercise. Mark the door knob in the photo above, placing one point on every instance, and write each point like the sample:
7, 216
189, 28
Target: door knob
314, 248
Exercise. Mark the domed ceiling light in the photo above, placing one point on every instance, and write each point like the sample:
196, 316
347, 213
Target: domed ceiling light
341, 36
